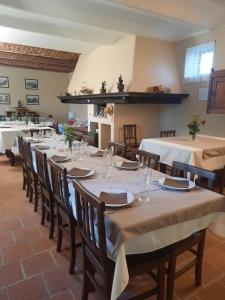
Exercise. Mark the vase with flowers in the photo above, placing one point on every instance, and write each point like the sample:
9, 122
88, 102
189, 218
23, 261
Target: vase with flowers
68, 133
194, 125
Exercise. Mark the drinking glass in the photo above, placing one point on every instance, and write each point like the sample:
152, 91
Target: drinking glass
144, 194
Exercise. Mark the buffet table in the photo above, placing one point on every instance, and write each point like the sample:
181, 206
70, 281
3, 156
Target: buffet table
206, 152
168, 217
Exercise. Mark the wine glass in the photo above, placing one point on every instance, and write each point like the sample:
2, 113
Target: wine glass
144, 194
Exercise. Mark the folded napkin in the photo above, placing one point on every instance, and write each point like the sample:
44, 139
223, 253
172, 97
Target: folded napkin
183, 183
98, 153
34, 141
113, 198
41, 147
78, 172
130, 164
58, 158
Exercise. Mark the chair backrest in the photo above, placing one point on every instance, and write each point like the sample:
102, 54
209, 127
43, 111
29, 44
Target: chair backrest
42, 170
35, 119
90, 218
203, 178
59, 185
167, 133
90, 140
118, 149
56, 127
130, 134
151, 159
28, 155
2, 118
20, 146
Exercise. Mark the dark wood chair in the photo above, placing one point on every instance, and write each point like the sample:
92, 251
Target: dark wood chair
34, 119
97, 265
130, 135
151, 159
66, 223
33, 184
194, 243
56, 127
118, 149
2, 118
37, 131
47, 206
167, 133
90, 140
24, 168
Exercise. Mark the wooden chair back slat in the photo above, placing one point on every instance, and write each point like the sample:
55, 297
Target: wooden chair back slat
28, 155
203, 178
151, 159
42, 169
118, 149
90, 140
167, 133
130, 134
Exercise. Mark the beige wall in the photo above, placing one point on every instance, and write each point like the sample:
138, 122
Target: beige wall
178, 116
50, 85
154, 64
104, 63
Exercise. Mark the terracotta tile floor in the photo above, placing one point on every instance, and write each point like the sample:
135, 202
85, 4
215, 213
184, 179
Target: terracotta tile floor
31, 269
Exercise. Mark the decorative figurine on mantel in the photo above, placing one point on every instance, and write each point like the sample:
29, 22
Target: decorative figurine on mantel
120, 85
103, 88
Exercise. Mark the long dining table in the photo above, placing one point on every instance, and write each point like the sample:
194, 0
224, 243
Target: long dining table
168, 217
207, 152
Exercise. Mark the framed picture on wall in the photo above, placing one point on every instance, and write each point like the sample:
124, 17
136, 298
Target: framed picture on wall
31, 84
32, 99
4, 82
5, 99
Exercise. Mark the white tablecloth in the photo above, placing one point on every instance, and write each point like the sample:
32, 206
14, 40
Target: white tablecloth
162, 204
184, 150
8, 135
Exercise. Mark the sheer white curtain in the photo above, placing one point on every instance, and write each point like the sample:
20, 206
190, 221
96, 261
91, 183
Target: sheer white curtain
198, 62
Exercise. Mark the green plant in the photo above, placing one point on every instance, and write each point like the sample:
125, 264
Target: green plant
14, 116
194, 125
68, 133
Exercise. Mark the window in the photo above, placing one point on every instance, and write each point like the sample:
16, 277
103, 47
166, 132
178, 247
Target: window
198, 62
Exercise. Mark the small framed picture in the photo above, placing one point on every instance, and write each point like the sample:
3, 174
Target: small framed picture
31, 84
4, 82
5, 99
32, 99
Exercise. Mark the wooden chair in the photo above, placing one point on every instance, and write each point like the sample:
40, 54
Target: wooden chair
45, 190
167, 133
118, 149
151, 159
33, 184
56, 127
66, 222
130, 135
2, 118
90, 216
194, 243
90, 140
37, 131
34, 119
24, 168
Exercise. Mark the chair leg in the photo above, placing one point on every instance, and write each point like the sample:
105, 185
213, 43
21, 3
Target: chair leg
30, 191
171, 277
52, 223
35, 194
72, 249
43, 214
161, 281
59, 240
198, 267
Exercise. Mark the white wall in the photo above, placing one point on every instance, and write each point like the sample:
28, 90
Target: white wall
50, 85
105, 63
178, 116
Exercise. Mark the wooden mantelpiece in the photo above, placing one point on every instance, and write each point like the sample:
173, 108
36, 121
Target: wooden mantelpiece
125, 98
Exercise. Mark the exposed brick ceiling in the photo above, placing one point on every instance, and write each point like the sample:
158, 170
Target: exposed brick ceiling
21, 56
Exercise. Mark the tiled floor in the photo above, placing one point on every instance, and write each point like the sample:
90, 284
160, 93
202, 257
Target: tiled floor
31, 269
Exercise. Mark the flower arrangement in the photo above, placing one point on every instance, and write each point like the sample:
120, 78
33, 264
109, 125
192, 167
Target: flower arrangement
68, 132
194, 125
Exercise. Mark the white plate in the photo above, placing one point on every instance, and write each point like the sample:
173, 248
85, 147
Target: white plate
191, 183
61, 159
119, 165
92, 172
130, 197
